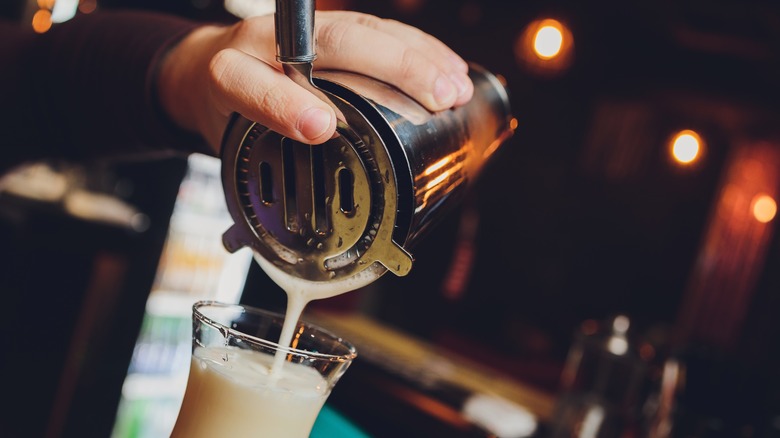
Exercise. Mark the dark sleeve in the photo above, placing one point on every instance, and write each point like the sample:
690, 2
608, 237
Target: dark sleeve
84, 89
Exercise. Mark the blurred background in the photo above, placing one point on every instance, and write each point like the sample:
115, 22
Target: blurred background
614, 272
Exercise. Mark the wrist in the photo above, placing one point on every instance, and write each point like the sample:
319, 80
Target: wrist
182, 81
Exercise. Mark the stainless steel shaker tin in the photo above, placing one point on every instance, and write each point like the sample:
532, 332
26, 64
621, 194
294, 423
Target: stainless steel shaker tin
330, 211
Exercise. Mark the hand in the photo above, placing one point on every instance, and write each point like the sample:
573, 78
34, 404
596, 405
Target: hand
218, 70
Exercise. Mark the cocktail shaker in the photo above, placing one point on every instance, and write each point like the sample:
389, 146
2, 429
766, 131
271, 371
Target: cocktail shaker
362, 199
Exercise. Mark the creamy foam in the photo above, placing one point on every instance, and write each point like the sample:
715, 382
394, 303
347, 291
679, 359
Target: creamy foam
231, 393
241, 393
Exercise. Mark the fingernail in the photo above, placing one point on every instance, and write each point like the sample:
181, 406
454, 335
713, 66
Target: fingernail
460, 83
313, 123
444, 91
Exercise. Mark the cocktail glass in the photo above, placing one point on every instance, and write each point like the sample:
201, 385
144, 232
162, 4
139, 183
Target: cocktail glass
242, 383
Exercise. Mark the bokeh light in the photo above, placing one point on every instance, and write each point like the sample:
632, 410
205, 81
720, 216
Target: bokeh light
41, 21
686, 146
764, 208
545, 46
548, 41
87, 6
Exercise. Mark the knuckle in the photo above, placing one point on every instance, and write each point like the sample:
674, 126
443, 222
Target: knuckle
368, 20
332, 36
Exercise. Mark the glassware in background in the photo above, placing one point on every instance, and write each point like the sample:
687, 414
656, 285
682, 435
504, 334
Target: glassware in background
705, 391
600, 383
242, 383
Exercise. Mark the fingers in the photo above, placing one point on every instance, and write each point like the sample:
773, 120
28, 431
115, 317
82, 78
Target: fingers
246, 78
411, 35
402, 55
249, 86
445, 58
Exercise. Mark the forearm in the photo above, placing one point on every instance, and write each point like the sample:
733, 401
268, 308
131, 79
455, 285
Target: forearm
183, 84
86, 88
114, 82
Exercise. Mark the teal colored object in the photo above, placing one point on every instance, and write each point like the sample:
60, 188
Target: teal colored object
331, 424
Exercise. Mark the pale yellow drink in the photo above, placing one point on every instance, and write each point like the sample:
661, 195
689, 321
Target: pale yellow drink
244, 393
240, 398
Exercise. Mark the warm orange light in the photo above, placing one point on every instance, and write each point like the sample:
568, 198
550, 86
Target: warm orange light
406, 6
685, 146
545, 46
41, 21
548, 40
87, 6
764, 208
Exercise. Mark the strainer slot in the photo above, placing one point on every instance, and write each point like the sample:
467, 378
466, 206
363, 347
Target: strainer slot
320, 214
290, 193
266, 183
346, 192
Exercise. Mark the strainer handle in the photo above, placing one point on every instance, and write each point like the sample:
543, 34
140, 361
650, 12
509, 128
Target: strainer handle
294, 20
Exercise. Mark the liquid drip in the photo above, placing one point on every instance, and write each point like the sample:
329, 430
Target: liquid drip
300, 292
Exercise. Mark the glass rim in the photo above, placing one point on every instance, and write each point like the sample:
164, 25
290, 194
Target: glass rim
349, 356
